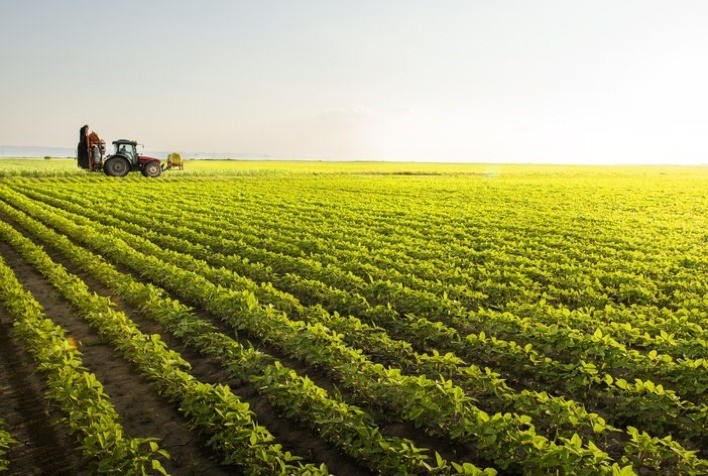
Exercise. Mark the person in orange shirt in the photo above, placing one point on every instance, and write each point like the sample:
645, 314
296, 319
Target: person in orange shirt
93, 138
95, 147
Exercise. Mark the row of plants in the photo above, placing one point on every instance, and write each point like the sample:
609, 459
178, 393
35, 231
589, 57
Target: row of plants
6, 440
662, 250
668, 334
687, 376
583, 381
348, 427
672, 334
360, 221
438, 406
77, 393
556, 415
612, 283
470, 225
561, 414
212, 409
558, 341
638, 402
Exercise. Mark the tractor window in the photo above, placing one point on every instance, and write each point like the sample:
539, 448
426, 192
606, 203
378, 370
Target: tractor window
127, 150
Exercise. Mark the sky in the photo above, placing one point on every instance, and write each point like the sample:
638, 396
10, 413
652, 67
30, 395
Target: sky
551, 81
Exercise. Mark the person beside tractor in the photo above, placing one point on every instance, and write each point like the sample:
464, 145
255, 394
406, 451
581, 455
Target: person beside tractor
90, 149
82, 152
97, 147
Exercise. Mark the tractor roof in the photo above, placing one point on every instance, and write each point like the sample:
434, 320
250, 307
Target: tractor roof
125, 141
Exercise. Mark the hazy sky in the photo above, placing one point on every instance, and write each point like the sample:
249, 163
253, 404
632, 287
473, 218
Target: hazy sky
615, 81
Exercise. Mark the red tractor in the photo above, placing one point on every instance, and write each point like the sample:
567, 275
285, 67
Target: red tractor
126, 159
91, 149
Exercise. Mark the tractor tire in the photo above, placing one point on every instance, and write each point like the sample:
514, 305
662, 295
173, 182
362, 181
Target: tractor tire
152, 169
116, 167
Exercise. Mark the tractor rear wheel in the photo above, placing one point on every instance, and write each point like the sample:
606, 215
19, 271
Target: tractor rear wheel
116, 167
152, 169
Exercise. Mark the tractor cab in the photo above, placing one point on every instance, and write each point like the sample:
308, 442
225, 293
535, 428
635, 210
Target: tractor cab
128, 149
126, 159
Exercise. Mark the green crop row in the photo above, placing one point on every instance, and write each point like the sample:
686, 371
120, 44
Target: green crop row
547, 269
673, 335
437, 405
6, 440
632, 401
564, 417
557, 272
347, 426
528, 399
560, 416
213, 409
688, 377
79, 395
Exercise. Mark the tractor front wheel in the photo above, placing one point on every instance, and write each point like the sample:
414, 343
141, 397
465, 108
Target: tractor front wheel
152, 169
116, 167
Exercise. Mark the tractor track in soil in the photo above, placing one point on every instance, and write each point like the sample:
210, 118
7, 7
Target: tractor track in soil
131, 404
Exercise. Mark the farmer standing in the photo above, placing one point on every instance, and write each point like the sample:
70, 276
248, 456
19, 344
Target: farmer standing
94, 144
82, 152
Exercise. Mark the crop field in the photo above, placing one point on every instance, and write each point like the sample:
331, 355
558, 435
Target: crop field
353, 319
